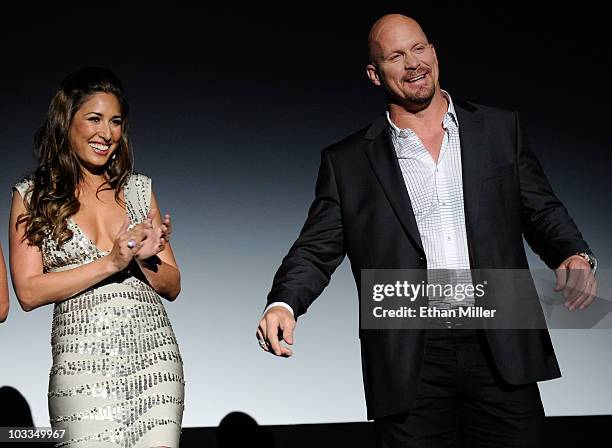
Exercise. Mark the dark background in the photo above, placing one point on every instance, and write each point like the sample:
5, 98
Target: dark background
230, 108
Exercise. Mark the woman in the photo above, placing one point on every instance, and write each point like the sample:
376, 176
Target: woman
86, 235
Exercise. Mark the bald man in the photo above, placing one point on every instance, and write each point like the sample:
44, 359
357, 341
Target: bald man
428, 185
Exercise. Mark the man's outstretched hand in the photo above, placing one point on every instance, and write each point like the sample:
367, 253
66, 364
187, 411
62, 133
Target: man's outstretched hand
276, 325
577, 281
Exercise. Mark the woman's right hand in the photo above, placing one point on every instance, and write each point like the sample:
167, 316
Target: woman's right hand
122, 254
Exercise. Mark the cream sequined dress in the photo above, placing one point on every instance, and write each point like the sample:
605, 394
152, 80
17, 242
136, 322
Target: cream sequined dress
117, 374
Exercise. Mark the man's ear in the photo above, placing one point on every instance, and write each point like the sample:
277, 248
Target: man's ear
433, 49
373, 74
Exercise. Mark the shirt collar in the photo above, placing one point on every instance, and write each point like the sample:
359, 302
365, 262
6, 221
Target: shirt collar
449, 118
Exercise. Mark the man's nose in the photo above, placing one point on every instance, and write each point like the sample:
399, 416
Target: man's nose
411, 61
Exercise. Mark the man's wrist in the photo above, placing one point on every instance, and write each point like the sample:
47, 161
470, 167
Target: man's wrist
283, 304
590, 259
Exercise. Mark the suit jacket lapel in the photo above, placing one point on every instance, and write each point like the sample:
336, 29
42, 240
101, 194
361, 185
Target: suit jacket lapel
473, 147
383, 159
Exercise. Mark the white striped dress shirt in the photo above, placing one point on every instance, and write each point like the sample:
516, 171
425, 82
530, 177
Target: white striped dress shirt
436, 194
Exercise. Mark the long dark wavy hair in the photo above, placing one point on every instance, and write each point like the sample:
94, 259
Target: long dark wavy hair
59, 172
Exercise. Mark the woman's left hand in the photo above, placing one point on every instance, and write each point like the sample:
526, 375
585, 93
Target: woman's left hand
156, 237
166, 228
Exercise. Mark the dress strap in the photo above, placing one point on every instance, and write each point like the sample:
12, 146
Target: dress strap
22, 187
137, 193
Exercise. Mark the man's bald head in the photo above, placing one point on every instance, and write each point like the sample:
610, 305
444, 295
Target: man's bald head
403, 62
383, 30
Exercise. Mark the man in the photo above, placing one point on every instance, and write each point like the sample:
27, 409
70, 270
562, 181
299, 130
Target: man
429, 185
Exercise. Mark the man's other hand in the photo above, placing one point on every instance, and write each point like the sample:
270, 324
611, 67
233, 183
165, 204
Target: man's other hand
575, 278
276, 325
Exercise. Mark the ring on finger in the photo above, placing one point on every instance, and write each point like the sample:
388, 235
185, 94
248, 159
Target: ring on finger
131, 243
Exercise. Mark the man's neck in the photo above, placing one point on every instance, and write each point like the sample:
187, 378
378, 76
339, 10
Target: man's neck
425, 120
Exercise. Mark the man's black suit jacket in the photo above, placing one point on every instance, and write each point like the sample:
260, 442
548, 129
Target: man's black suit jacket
362, 209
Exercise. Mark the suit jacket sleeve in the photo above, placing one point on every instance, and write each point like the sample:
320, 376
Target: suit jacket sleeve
319, 249
546, 224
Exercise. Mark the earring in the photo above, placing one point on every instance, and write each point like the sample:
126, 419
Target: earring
114, 156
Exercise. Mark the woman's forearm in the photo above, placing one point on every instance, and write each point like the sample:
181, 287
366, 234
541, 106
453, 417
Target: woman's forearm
4, 297
51, 287
4, 308
163, 277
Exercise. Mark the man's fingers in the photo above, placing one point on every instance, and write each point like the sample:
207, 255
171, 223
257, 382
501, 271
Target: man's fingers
286, 352
261, 329
288, 328
575, 286
277, 325
270, 333
261, 340
575, 302
591, 296
272, 340
561, 274
569, 289
274, 328
285, 332
588, 296
580, 294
